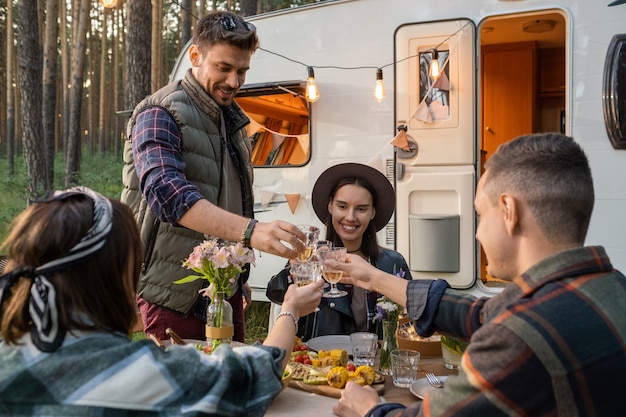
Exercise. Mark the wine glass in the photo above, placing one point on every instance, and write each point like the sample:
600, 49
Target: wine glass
311, 234
322, 246
333, 276
305, 272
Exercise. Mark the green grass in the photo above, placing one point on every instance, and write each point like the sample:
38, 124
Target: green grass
102, 173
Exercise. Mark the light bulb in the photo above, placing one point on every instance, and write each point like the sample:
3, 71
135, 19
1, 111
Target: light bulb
312, 94
109, 4
434, 65
379, 90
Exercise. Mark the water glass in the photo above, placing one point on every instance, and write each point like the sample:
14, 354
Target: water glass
404, 363
363, 348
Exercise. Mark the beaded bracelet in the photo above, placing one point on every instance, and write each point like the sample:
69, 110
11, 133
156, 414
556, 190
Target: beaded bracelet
247, 233
288, 314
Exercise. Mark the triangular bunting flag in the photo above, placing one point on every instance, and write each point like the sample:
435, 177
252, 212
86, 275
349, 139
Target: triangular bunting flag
439, 111
442, 83
266, 198
400, 141
277, 140
423, 113
292, 200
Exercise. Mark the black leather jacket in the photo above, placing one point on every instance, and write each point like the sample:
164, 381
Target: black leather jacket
335, 315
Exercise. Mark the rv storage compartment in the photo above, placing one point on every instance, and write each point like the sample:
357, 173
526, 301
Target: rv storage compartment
434, 243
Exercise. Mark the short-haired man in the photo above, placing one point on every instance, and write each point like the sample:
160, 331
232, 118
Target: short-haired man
553, 342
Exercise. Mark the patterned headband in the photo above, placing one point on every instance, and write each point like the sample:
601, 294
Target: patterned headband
47, 333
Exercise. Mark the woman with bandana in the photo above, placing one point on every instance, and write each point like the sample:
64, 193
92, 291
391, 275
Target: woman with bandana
66, 308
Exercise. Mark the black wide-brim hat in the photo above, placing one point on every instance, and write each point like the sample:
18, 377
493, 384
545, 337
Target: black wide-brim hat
385, 195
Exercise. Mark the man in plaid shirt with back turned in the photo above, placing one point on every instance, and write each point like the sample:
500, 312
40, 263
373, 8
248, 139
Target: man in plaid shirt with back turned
553, 342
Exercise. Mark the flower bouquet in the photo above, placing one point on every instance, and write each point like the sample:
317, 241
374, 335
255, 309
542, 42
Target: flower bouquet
220, 263
388, 313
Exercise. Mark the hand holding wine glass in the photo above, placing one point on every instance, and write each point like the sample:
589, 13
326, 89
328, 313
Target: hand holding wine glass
333, 276
305, 272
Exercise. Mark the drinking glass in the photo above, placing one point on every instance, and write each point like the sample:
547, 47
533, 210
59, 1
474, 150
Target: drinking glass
333, 276
364, 346
305, 272
311, 235
404, 363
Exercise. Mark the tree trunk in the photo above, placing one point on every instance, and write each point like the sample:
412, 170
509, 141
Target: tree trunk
138, 51
117, 52
50, 57
30, 76
157, 45
79, 49
104, 75
248, 7
10, 57
65, 69
185, 24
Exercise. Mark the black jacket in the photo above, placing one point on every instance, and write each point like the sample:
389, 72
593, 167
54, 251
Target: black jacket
335, 315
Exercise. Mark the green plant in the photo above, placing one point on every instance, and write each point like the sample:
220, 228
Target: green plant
102, 173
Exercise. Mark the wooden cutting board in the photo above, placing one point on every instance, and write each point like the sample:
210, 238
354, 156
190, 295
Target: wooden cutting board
329, 391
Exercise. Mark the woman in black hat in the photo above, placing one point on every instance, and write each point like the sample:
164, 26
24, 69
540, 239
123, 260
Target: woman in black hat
354, 201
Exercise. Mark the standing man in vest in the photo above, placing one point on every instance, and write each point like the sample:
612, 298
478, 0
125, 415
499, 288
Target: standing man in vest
188, 174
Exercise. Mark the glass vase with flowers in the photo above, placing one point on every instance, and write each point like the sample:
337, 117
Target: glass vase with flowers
388, 313
220, 263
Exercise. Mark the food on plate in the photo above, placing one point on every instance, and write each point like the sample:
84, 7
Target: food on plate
335, 357
329, 367
299, 371
367, 373
337, 377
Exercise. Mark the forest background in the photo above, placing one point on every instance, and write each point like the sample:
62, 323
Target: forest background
71, 72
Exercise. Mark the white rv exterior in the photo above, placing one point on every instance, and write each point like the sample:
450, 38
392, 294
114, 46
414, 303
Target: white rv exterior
434, 186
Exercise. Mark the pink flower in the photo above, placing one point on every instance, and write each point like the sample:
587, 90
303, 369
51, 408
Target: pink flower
219, 262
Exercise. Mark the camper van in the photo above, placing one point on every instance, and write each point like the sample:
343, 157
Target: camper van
505, 68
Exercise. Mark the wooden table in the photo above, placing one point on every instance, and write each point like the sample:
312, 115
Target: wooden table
304, 404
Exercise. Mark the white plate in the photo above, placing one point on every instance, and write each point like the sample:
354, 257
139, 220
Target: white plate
335, 341
421, 387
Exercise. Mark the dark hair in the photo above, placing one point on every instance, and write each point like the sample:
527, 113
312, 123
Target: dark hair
551, 173
369, 243
98, 294
225, 28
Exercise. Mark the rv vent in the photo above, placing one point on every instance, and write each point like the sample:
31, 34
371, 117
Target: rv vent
389, 169
390, 235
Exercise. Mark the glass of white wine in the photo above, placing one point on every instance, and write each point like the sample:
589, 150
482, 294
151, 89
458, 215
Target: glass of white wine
311, 234
333, 276
305, 272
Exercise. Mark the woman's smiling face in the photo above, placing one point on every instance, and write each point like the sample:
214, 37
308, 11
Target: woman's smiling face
351, 210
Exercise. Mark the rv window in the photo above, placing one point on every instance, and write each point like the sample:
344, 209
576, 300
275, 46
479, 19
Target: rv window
435, 90
279, 125
614, 92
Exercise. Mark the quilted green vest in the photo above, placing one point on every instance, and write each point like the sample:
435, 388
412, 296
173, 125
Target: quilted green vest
201, 123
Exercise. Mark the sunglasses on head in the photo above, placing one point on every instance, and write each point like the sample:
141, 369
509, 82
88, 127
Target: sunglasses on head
229, 24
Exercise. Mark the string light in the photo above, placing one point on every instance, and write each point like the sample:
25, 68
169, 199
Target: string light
379, 90
109, 4
434, 65
312, 93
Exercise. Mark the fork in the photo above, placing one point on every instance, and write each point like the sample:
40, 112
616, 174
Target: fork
433, 380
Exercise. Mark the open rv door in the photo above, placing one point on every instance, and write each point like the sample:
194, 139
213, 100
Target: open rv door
435, 180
